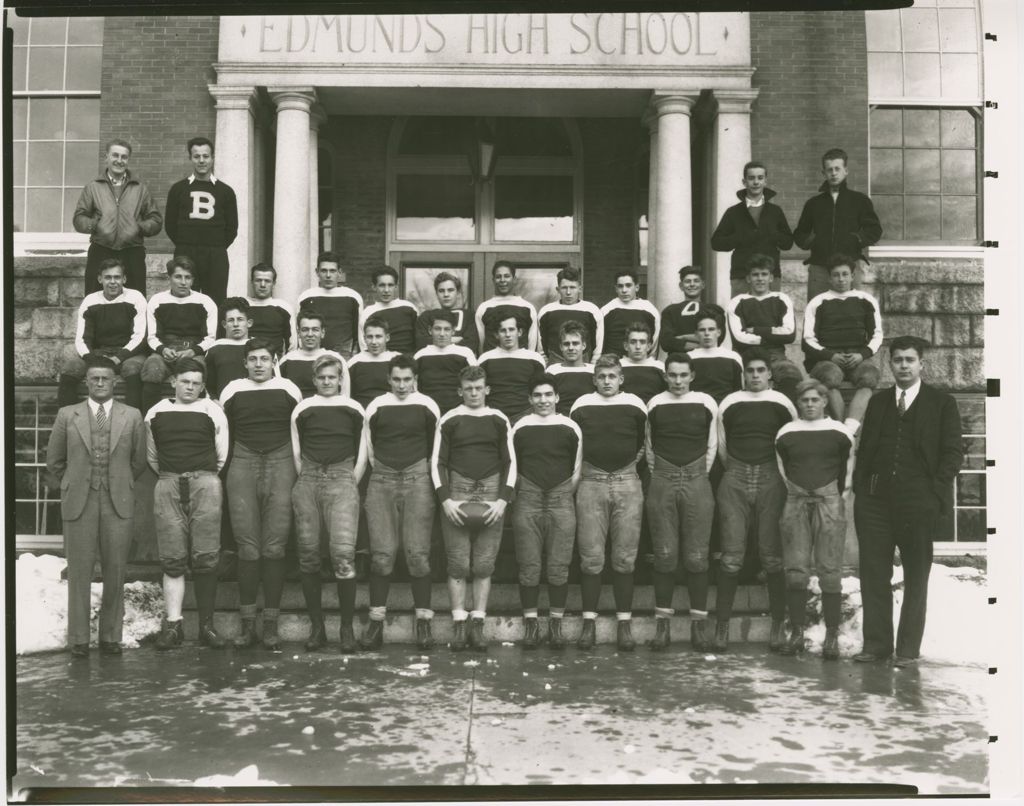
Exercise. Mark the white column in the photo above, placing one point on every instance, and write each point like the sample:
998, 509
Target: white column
316, 117
233, 164
291, 189
674, 203
732, 140
651, 122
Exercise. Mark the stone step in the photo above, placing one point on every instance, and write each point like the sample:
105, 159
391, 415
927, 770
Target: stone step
399, 628
504, 598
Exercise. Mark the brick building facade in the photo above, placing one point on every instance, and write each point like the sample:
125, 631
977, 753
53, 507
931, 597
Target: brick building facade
773, 81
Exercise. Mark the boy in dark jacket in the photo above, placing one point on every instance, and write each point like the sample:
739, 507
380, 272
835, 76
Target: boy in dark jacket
836, 220
753, 226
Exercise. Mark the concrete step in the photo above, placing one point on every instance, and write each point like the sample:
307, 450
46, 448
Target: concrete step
399, 628
504, 598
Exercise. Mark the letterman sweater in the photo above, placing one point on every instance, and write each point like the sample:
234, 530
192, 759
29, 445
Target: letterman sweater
201, 212
475, 443
111, 326
549, 450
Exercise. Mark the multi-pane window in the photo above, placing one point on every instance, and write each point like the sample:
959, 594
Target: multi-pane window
56, 117
325, 191
924, 86
36, 505
924, 172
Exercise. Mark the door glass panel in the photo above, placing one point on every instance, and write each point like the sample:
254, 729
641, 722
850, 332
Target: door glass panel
533, 208
418, 280
432, 207
537, 284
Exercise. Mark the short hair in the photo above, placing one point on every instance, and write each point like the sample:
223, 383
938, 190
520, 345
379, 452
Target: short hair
257, 343
99, 361
181, 262
810, 383
834, 154
754, 164
183, 365
328, 360
639, 326
759, 261
447, 277
519, 325
914, 343
607, 361
840, 259
117, 141
377, 321
707, 312
310, 313
198, 141
382, 271
542, 380
443, 316
402, 361
506, 263
235, 304
263, 267
473, 372
569, 273
572, 327
109, 263
678, 358
686, 271
328, 257
756, 354
630, 273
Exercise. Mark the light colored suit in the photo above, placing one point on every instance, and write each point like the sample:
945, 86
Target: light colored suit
96, 521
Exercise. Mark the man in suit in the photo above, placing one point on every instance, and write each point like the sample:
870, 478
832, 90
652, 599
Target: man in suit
96, 451
910, 452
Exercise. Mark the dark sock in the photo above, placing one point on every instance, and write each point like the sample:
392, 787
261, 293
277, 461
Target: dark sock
67, 390
205, 588
529, 595
273, 582
151, 394
622, 587
664, 586
421, 587
590, 591
347, 599
697, 585
831, 605
248, 581
311, 589
726, 594
777, 595
796, 603
557, 596
379, 586
133, 391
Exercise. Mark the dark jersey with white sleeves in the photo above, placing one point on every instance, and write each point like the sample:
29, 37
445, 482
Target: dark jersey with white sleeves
437, 373
549, 450
509, 375
814, 453
717, 371
571, 383
399, 432
475, 443
327, 430
681, 428
186, 437
111, 326
368, 375
748, 423
260, 413
643, 378
614, 429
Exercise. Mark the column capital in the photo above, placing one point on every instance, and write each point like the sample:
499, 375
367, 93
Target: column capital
301, 99
227, 97
671, 103
738, 101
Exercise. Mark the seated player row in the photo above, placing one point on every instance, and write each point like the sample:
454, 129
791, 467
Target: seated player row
842, 331
575, 480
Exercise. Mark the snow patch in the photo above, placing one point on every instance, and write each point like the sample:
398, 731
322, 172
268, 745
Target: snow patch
247, 776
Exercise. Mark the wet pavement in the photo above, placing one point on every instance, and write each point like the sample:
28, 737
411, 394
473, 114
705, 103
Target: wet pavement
506, 717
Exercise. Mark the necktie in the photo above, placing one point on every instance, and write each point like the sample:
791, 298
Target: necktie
101, 417
901, 407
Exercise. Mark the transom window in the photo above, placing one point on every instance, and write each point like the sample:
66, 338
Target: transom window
484, 181
55, 78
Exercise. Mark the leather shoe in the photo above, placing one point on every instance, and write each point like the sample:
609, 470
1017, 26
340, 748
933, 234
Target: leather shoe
720, 643
458, 636
589, 634
662, 635
317, 636
110, 648
869, 657
347, 636
373, 637
830, 648
777, 637
476, 635
79, 650
531, 633
208, 636
795, 645
624, 637
555, 638
698, 635
424, 636
904, 663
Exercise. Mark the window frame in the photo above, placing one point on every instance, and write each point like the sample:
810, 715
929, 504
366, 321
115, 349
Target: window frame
49, 241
